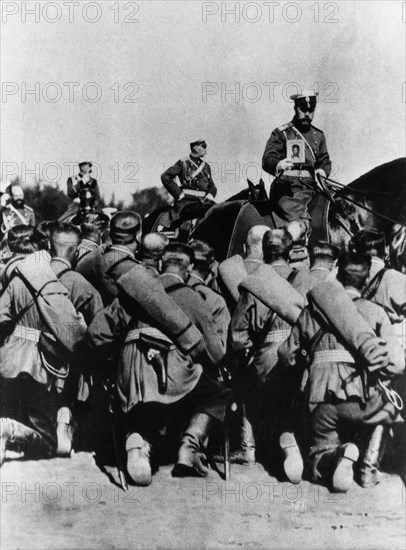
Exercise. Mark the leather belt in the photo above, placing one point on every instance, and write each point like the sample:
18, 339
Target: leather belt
333, 356
136, 333
27, 333
194, 193
277, 335
297, 174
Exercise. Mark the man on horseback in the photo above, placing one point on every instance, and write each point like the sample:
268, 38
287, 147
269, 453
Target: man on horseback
76, 190
196, 190
291, 192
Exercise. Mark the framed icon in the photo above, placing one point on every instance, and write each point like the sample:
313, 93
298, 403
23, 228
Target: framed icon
296, 151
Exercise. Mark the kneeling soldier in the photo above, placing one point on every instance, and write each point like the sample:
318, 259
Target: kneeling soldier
155, 371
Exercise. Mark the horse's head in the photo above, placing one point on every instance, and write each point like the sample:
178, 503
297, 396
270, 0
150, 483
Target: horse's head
346, 219
87, 200
257, 192
397, 247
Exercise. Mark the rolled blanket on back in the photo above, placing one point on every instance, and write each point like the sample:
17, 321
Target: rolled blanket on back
334, 304
146, 289
275, 292
232, 272
52, 299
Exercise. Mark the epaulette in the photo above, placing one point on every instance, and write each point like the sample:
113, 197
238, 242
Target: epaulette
318, 129
185, 159
285, 126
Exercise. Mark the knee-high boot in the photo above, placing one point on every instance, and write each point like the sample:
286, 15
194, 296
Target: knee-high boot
191, 450
369, 473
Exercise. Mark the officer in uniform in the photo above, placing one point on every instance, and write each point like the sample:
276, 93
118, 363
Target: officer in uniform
290, 193
83, 180
16, 212
196, 192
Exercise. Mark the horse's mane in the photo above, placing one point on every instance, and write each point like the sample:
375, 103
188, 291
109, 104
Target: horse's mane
385, 178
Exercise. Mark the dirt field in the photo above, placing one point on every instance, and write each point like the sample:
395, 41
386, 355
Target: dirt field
70, 503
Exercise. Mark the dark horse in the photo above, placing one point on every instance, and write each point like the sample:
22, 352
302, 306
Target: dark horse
166, 221
76, 215
382, 190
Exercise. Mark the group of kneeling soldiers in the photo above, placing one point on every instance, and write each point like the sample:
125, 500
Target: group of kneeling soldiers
314, 347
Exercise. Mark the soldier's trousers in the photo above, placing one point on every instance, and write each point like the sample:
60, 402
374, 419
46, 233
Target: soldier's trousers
29, 402
290, 199
208, 397
332, 424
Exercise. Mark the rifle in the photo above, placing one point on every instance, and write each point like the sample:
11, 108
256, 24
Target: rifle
111, 390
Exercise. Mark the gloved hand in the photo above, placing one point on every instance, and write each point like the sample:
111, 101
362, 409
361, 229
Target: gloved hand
320, 172
283, 165
209, 198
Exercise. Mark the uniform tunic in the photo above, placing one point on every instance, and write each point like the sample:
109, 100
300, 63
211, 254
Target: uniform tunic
184, 170
82, 294
217, 307
11, 216
248, 322
335, 392
136, 378
289, 196
105, 265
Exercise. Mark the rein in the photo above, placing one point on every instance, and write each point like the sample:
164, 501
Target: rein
336, 186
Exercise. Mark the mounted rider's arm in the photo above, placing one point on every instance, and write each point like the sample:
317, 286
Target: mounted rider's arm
72, 192
211, 189
96, 191
274, 159
323, 162
168, 180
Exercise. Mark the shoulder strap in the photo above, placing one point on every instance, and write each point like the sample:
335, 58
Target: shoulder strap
62, 273
373, 285
118, 262
292, 275
173, 288
84, 255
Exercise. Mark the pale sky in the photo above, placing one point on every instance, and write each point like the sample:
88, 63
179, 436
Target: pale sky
183, 57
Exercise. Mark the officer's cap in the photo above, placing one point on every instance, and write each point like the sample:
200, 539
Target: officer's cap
85, 162
200, 142
307, 100
124, 227
177, 250
203, 252
322, 250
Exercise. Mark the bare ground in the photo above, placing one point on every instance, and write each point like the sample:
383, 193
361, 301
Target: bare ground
71, 503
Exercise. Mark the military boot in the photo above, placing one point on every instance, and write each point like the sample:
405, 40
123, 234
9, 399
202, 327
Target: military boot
13, 433
369, 474
337, 467
64, 432
138, 460
245, 452
293, 462
190, 453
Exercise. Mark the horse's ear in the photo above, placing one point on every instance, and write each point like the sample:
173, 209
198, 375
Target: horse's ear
262, 188
251, 186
